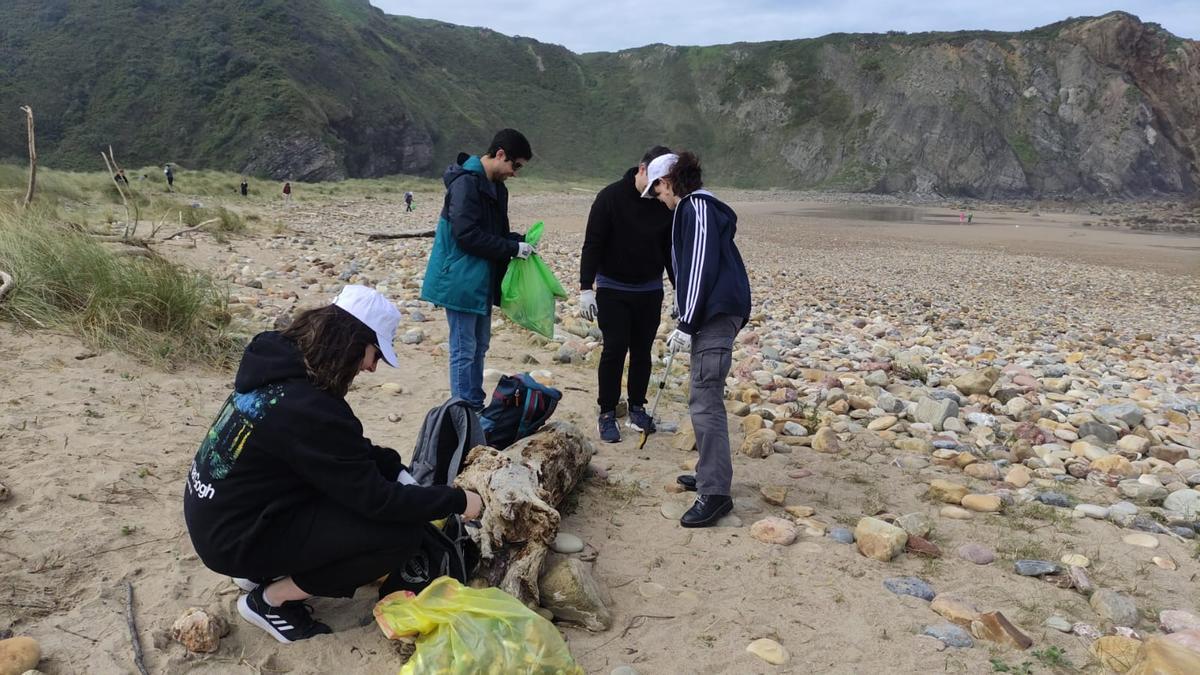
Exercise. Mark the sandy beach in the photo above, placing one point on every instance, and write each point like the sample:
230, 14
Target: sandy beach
94, 447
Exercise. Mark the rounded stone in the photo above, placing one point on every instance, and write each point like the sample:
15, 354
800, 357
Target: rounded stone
982, 503
956, 513
1059, 624
1035, 568
1092, 511
841, 535
1075, 560
567, 543
976, 553
673, 510
769, 650
917, 588
773, 530
1141, 539
950, 635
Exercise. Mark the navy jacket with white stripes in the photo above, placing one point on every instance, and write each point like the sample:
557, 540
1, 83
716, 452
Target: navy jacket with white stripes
710, 277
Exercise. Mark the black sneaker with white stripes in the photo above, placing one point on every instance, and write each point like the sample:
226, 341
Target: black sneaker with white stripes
288, 623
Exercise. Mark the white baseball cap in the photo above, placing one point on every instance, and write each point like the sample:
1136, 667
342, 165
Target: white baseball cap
372, 308
656, 169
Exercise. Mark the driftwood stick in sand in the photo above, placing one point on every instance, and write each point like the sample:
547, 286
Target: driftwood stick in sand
135, 253
521, 488
118, 239
112, 173
398, 235
133, 633
192, 229
32, 155
6, 285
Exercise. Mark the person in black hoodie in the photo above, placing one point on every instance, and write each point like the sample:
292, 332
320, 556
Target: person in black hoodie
712, 292
286, 495
625, 249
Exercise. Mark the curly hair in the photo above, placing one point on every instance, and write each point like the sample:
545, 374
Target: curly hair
685, 177
332, 342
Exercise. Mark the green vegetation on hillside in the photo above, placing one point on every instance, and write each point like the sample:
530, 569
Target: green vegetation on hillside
314, 90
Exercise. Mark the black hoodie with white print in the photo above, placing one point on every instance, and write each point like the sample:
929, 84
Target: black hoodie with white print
279, 442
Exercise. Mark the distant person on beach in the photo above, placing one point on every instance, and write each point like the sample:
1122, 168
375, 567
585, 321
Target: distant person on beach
962, 217
970, 217
287, 192
471, 249
712, 292
408, 202
245, 187
170, 176
286, 495
625, 250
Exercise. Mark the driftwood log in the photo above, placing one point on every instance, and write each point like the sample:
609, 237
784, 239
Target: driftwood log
6, 285
521, 487
398, 235
32, 155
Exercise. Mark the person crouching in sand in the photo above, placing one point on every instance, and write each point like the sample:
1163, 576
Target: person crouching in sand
286, 495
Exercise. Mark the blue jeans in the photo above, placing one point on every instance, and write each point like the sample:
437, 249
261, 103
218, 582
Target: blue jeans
470, 335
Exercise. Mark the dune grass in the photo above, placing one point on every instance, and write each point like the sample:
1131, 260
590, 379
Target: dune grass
152, 309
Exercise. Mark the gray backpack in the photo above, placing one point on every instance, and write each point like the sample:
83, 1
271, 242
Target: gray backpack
447, 435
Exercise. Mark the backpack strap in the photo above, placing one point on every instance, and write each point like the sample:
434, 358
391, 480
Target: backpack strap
460, 417
469, 431
424, 467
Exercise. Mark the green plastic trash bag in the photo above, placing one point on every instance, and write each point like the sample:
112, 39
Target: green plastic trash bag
530, 288
473, 630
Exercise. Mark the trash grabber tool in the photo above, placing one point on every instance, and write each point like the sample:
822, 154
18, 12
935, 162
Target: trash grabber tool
662, 383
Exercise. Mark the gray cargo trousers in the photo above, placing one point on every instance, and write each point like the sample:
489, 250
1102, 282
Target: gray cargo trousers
712, 355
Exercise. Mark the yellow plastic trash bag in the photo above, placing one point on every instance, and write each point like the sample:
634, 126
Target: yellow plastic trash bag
529, 289
473, 630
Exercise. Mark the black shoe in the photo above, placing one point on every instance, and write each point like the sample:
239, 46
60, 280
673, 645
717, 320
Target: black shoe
640, 420
609, 433
288, 623
688, 482
707, 510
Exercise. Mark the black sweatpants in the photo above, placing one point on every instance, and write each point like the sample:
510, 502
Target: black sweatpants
328, 550
629, 322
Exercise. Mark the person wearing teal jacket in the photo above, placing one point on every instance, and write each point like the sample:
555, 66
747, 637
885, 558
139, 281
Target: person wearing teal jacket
471, 249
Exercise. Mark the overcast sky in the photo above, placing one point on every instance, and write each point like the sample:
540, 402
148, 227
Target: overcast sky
609, 25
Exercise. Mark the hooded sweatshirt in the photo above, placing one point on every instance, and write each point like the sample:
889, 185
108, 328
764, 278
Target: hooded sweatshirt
628, 238
278, 443
710, 277
472, 243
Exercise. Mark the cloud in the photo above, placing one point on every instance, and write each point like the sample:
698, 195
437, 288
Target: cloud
621, 24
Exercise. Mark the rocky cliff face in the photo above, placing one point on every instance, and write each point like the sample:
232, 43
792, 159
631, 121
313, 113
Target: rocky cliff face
1101, 107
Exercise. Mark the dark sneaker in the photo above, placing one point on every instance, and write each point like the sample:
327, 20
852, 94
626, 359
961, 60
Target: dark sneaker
707, 510
609, 433
291, 622
640, 420
687, 482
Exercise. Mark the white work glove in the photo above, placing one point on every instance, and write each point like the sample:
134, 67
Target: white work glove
524, 250
679, 341
587, 305
674, 307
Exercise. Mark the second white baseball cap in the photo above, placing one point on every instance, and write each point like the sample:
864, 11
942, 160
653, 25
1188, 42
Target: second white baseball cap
656, 169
